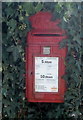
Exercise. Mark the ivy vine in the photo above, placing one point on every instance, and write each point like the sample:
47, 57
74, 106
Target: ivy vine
15, 25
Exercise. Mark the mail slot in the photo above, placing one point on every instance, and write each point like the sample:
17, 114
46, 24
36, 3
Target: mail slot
45, 60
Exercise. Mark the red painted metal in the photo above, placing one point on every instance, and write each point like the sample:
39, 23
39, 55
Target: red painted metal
42, 25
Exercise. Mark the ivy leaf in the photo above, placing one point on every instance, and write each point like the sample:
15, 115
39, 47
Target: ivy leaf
15, 53
58, 7
30, 116
31, 110
29, 8
12, 23
38, 7
9, 11
10, 49
4, 92
77, 39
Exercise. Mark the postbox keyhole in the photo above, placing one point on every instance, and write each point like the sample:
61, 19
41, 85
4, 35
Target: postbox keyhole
31, 73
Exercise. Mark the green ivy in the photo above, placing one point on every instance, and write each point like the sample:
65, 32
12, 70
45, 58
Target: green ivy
15, 25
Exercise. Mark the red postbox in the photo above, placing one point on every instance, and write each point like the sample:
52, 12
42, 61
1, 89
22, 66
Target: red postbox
45, 60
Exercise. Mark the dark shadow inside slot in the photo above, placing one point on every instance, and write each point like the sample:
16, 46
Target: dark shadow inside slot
45, 35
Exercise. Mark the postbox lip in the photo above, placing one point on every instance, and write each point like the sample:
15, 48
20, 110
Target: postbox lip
47, 31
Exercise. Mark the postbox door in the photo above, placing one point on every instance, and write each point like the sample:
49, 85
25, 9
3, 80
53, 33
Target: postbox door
48, 69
